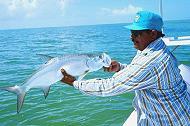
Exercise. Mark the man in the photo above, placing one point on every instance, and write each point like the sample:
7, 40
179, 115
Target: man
161, 97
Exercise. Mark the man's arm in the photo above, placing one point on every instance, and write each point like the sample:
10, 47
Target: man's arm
133, 77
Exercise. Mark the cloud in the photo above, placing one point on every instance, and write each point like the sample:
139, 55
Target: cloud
32, 8
64, 4
129, 10
22, 4
18, 8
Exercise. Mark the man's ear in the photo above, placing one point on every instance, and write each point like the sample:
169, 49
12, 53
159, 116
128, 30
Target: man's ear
154, 34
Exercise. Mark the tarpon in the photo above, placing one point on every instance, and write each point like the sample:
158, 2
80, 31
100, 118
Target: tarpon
77, 65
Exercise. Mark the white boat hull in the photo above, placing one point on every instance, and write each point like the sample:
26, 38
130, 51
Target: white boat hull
185, 73
132, 120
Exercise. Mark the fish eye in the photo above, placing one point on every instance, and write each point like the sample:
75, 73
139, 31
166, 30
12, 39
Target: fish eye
101, 57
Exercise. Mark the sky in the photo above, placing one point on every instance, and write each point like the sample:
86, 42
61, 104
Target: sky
16, 14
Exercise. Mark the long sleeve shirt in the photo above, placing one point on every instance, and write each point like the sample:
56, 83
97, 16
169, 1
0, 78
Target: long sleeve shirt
161, 97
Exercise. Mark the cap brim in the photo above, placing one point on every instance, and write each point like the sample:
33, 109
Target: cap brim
134, 27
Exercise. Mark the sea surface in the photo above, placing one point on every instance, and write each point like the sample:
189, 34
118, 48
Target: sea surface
66, 106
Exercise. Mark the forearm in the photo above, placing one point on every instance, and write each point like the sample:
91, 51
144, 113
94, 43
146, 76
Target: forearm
103, 87
122, 81
97, 87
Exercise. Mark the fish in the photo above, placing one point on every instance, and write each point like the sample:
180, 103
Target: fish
77, 65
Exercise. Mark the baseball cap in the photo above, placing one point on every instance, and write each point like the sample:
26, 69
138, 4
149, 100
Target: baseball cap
146, 20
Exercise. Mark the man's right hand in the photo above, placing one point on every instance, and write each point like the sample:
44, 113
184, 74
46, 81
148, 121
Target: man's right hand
114, 67
68, 79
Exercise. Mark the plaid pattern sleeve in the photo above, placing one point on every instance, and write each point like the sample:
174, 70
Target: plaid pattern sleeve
161, 94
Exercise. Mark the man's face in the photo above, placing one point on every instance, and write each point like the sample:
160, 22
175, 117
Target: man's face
141, 38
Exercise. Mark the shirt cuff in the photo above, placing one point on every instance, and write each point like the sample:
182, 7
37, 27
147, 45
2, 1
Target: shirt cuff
122, 66
76, 84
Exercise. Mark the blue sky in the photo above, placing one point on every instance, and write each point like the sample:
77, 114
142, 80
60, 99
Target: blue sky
55, 13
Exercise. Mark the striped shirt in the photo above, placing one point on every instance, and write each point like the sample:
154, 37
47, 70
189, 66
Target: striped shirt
161, 97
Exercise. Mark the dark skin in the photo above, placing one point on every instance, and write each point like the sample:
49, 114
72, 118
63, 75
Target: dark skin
68, 79
140, 41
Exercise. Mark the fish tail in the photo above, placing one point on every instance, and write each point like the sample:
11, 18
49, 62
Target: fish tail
20, 95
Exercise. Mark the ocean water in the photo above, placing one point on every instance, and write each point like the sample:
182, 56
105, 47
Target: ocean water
66, 106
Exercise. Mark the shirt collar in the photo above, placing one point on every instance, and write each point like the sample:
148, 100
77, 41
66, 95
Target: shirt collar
155, 45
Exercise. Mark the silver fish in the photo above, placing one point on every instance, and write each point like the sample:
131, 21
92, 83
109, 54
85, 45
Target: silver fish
77, 65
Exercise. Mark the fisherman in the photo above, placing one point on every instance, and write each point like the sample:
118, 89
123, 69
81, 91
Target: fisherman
161, 97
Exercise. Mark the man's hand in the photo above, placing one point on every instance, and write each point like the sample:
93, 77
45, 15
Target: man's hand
114, 67
68, 79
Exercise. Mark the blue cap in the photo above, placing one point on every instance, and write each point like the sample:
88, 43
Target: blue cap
146, 20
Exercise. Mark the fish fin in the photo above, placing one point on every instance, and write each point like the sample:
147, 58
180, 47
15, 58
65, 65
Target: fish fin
44, 57
20, 95
46, 91
82, 76
20, 101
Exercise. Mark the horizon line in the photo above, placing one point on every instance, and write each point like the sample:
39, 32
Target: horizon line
44, 27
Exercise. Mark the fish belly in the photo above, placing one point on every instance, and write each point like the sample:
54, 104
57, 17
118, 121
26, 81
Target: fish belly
75, 68
44, 78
